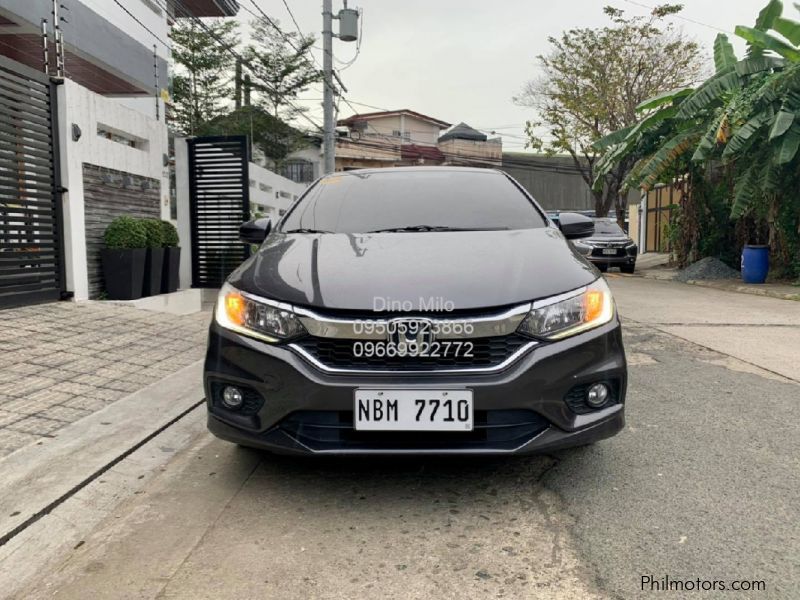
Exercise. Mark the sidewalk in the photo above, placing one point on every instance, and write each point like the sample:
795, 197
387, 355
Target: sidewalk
654, 266
64, 361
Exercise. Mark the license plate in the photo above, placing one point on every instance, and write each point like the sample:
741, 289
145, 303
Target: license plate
413, 410
609, 251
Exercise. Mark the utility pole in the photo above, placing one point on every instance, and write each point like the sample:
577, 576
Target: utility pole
328, 139
348, 32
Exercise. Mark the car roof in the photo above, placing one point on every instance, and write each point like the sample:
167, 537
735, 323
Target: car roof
412, 169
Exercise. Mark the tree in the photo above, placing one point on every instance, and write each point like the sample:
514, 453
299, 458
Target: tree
281, 66
592, 82
743, 120
269, 134
204, 70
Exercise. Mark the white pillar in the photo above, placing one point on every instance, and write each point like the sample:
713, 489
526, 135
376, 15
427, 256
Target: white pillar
184, 218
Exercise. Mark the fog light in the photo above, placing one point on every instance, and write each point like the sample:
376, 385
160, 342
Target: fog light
232, 397
597, 395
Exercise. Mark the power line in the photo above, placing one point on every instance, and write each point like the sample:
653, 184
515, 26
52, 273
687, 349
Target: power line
145, 27
681, 17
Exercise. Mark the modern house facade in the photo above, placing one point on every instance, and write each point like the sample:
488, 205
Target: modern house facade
83, 136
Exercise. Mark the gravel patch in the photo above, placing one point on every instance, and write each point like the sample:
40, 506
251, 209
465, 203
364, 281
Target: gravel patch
707, 268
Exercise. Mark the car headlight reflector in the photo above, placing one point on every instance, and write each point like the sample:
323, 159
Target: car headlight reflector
568, 314
250, 316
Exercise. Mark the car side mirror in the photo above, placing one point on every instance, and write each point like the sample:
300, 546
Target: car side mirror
575, 226
255, 231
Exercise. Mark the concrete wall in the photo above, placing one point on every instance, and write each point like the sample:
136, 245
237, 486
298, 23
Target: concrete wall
81, 107
552, 180
270, 194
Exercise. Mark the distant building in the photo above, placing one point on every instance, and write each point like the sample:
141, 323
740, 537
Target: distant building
463, 145
397, 138
554, 181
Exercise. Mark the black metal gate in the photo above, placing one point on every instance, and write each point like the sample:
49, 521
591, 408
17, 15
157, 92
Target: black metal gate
31, 263
219, 189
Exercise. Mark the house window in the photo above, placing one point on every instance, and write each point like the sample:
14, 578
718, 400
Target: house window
299, 171
405, 136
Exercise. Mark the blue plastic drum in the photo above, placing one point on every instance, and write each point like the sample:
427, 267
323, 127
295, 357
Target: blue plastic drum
755, 264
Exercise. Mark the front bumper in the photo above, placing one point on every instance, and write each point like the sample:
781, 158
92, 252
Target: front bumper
521, 409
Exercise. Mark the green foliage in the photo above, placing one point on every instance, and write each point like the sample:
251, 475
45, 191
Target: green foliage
281, 66
268, 133
743, 120
724, 56
154, 234
203, 70
169, 235
125, 233
595, 81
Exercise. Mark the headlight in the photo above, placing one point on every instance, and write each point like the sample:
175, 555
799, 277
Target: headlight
245, 314
568, 314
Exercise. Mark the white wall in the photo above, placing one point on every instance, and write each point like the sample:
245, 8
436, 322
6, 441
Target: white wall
142, 11
271, 193
87, 110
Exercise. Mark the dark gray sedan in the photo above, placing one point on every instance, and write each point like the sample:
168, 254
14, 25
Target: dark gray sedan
609, 246
426, 310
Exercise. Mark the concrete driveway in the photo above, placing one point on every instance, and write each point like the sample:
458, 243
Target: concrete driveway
700, 487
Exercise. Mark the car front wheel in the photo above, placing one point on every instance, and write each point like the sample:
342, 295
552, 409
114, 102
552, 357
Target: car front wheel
628, 268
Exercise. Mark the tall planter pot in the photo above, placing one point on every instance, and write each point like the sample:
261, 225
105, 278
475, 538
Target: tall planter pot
153, 266
169, 274
123, 270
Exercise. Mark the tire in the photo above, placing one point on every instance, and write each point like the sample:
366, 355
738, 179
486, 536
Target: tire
602, 268
629, 269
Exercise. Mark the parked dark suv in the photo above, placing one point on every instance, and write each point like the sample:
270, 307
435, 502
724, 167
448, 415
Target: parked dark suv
422, 310
609, 246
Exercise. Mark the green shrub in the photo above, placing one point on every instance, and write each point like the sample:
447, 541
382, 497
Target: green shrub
154, 232
125, 232
170, 234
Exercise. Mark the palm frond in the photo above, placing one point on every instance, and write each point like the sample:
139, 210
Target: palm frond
724, 56
666, 156
664, 98
746, 190
765, 41
789, 145
788, 29
710, 92
745, 133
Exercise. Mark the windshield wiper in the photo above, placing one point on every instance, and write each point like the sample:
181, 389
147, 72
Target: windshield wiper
306, 230
434, 228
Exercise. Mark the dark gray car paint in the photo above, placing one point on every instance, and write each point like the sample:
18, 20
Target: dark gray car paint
473, 270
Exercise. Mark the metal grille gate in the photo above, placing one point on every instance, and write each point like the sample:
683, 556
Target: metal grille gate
31, 264
219, 192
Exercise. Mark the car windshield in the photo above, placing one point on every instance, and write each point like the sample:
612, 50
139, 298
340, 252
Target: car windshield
413, 200
607, 227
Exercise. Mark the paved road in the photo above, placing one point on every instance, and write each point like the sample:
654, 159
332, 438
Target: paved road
701, 484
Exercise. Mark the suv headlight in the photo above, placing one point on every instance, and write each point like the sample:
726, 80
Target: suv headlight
565, 315
242, 313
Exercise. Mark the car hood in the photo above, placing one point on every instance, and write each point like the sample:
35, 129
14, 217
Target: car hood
609, 238
460, 270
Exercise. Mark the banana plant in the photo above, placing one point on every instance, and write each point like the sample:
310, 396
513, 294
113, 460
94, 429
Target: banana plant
746, 115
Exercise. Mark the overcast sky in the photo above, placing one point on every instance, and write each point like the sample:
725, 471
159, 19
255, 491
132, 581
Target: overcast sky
464, 60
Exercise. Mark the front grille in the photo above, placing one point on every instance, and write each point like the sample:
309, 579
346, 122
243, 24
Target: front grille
486, 353
600, 252
493, 429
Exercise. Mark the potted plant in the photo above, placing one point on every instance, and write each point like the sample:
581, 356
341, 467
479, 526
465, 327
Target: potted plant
123, 258
155, 257
172, 258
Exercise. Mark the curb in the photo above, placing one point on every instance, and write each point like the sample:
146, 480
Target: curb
37, 477
722, 284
